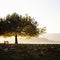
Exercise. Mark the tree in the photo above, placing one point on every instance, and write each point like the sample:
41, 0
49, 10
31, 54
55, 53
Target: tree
14, 25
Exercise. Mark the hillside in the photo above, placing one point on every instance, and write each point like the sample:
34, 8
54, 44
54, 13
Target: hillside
29, 52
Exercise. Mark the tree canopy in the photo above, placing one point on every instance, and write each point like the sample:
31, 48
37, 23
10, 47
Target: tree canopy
20, 25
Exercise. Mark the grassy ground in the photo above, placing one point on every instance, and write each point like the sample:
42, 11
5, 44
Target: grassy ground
29, 52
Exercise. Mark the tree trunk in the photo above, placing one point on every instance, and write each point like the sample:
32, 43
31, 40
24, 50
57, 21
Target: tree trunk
16, 42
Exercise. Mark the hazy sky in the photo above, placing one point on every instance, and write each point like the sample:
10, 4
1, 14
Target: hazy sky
46, 12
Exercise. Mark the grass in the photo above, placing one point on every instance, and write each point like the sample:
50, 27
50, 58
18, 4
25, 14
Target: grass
29, 52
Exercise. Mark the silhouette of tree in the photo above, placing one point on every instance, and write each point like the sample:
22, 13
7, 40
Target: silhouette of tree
14, 25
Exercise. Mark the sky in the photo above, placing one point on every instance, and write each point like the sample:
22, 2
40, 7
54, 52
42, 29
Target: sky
45, 12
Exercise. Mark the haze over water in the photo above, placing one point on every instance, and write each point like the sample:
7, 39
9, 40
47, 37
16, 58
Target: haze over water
43, 39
